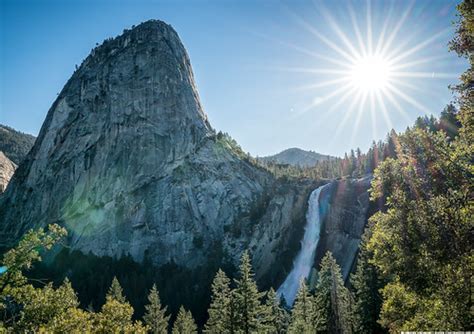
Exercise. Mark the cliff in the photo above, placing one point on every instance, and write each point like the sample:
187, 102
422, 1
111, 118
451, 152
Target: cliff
127, 161
344, 209
7, 168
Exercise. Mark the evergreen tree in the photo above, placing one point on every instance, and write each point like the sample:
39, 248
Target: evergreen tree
155, 316
276, 318
116, 291
303, 316
448, 121
332, 300
367, 299
248, 308
116, 314
220, 320
184, 323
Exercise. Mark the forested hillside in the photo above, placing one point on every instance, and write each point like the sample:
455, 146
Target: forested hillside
15, 144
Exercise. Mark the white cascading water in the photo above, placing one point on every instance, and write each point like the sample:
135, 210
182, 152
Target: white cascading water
304, 260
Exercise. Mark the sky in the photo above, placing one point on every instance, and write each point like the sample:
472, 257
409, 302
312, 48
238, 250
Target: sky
270, 73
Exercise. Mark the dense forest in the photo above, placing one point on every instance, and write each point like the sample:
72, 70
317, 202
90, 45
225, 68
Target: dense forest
414, 269
15, 144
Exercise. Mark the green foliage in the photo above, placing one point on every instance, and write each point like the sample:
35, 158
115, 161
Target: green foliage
184, 323
24, 255
15, 144
423, 238
303, 313
116, 314
49, 308
276, 318
220, 316
332, 299
248, 307
155, 316
422, 243
366, 283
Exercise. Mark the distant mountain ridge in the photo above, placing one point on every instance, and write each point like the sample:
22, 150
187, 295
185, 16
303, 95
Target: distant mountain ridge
15, 144
296, 157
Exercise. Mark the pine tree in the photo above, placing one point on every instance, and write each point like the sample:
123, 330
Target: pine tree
155, 316
220, 317
116, 314
184, 323
248, 307
116, 291
302, 315
367, 299
332, 300
276, 317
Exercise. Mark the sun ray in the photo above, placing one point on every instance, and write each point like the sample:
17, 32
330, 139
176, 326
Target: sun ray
369, 27
363, 99
347, 114
373, 117
304, 50
424, 75
324, 98
357, 30
398, 26
342, 36
308, 70
325, 40
388, 94
321, 84
408, 99
340, 101
382, 34
385, 114
419, 62
419, 46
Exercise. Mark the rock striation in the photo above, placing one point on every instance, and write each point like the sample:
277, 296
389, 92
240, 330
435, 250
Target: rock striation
344, 208
7, 168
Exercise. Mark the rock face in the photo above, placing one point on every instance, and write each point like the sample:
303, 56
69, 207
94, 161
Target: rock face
7, 168
344, 209
127, 161
296, 157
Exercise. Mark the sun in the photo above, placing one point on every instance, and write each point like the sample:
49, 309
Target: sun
366, 71
371, 74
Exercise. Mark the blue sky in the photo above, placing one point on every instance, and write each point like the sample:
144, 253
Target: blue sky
261, 66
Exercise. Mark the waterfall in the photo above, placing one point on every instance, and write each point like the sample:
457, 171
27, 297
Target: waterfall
304, 260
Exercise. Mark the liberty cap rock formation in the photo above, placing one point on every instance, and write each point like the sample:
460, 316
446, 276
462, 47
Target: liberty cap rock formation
127, 161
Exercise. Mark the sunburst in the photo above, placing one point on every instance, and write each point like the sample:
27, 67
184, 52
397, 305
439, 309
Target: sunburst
372, 72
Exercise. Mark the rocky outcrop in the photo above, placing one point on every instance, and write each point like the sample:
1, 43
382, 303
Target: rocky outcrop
344, 206
7, 168
127, 161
